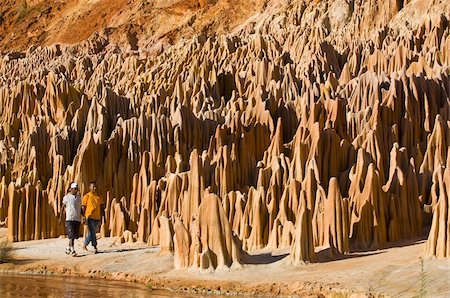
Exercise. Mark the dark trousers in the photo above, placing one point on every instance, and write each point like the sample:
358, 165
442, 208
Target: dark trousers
93, 224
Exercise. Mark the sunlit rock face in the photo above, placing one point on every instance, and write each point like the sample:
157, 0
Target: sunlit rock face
306, 128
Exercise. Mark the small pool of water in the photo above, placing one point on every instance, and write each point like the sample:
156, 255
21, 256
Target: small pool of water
13, 285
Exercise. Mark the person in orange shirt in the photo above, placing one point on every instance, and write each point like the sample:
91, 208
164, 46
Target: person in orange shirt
93, 211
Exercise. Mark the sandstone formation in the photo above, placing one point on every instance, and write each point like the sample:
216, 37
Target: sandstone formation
287, 133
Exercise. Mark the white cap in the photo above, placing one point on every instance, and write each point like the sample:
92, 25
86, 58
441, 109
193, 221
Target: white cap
74, 185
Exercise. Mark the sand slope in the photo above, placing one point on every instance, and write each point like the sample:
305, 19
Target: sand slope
393, 272
132, 23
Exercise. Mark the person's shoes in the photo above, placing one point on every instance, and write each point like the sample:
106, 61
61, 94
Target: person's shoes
68, 251
84, 247
95, 250
73, 253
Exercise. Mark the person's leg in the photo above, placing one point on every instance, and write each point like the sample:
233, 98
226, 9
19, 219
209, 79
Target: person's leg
94, 237
87, 237
68, 233
71, 240
72, 235
91, 235
68, 249
76, 234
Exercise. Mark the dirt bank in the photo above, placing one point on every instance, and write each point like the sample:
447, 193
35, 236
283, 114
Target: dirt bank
130, 23
388, 272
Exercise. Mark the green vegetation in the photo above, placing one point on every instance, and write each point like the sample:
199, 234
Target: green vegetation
149, 287
23, 10
423, 280
375, 287
5, 250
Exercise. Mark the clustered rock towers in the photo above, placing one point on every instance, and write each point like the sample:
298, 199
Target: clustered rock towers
289, 133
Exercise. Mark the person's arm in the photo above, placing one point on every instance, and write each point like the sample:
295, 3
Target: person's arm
83, 207
63, 210
102, 208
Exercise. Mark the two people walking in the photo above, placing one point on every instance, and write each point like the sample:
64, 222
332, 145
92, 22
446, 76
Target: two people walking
91, 207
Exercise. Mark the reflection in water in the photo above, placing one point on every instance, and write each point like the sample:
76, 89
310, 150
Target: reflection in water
51, 286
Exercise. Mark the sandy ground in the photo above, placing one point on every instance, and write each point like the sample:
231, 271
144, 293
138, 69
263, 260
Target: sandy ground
392, 272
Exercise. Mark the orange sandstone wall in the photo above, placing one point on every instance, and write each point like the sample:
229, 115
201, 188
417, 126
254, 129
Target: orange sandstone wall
293, 131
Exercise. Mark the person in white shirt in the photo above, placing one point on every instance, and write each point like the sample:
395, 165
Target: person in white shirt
71, 204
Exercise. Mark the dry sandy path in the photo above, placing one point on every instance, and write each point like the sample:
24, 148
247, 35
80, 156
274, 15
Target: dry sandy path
394, 272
